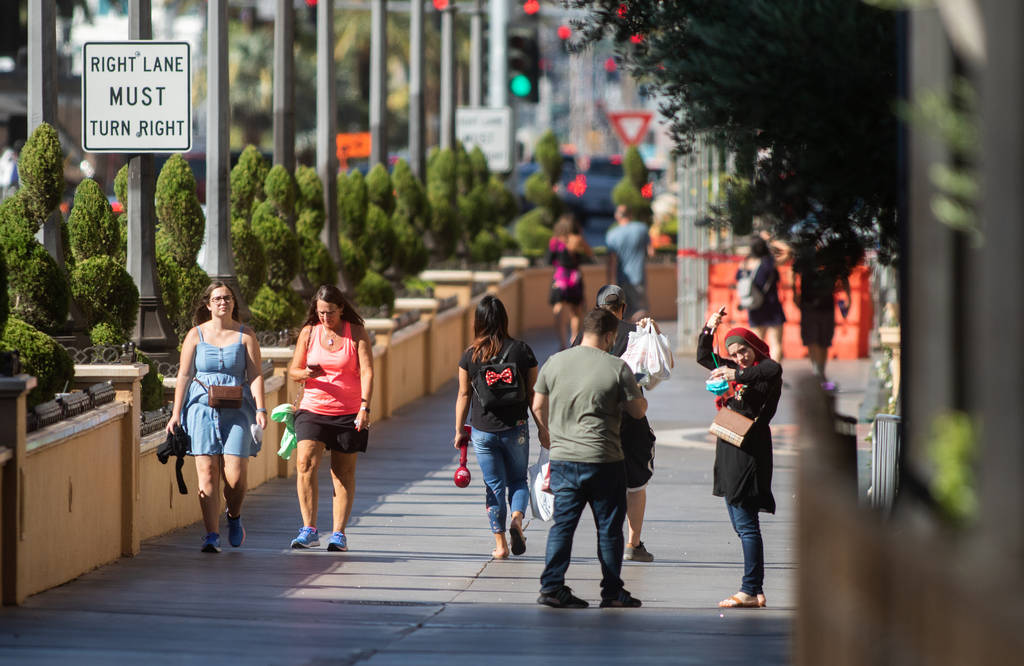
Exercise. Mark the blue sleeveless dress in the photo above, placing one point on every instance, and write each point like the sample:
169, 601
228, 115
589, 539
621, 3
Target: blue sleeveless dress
219, 431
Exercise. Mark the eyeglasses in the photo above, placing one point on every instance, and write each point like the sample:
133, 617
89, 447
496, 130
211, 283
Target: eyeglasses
221, 299
327, 313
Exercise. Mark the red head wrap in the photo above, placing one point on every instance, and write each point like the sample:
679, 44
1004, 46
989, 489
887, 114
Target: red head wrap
748, 337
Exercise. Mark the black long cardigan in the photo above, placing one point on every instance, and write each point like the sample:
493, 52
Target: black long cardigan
744, 473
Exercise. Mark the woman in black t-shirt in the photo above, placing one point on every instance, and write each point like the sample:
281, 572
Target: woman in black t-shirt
500, 437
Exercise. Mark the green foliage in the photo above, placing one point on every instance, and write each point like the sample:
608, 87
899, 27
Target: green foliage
281, 190
178, 210
316, 261
5, 303
952, 450
379, 240
411, 255
92, 227
152, 384
15, 216
105, 293
807, 85
353, 260
317, 264
478, 166
280, 244
549, 157
503, 202
121, 186
505, 237
486, 247
628, 191
250, 260
444, 223
41, 356
463, 170
275, 309
475, 210
540, 192
41, 172
378, 189
37, 286
411, 202
167, 273
310, 189
352, 202
247, 179
375, 291
191, 283
532, 234
739, 204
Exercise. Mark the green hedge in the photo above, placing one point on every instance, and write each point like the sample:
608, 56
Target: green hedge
41, 172
628, 191
38, 287
352, 202
247, 178
93, 229
411, 254
280, 245
276, 309
375, 291
378, 189
5, 302
485, 247
178, 210
106, 293
353, 260
41, 356
316, 261
379, 240
250, 260
532, 234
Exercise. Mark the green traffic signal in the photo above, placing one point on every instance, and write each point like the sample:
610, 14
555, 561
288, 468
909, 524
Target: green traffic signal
520, 85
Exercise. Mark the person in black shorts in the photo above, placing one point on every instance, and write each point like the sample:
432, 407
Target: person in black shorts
566, 250
636, 434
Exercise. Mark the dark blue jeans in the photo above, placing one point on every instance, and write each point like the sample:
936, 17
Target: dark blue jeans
748, 528
603, 486
502, 457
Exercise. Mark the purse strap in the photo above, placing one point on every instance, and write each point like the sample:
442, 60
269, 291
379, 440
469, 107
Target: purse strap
302, 385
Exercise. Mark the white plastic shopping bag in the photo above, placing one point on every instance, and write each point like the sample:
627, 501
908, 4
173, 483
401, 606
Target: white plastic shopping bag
542, 501
649, 356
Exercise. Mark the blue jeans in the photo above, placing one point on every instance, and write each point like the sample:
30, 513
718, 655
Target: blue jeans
502, 457
748, 528
603, 486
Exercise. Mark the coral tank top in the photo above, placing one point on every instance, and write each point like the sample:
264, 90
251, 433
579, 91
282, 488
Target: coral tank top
338, 390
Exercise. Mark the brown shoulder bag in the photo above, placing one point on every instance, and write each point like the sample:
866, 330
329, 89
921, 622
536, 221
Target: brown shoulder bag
223, 397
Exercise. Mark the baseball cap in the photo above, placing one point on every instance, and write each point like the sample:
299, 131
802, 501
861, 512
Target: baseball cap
611, 294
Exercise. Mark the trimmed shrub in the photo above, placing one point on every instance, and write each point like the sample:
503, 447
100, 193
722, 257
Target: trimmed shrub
104, 333
379, 240
629, 191
378, 189
549, 157
317, 264
38, 287
121, 186
250, 260
532, 234
275, 309
281, 190
41, 357
152, 384
310, 189
280, 245
485, 248
191, 283
475, 210
92, 227
178, 210
539, 191
353, 261
167, 273
352, 202
41, 173
411, 254
5, 303
15, 216
441, 186
505, 237
503, 203
105, 293
533, 230
375, 291
410, 197
316, 261
247, 179
481, 173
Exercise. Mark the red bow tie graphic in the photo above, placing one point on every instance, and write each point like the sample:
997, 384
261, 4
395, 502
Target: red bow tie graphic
504, 376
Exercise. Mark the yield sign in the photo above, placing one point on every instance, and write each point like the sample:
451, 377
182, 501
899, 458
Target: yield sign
631, 126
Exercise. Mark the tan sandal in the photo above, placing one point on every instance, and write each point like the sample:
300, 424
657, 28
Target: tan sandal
736, 602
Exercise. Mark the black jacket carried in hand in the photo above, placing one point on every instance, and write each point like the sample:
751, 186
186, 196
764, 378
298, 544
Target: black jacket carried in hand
175, 445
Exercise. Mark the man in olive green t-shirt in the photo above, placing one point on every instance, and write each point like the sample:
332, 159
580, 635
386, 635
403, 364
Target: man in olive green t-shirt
578, 401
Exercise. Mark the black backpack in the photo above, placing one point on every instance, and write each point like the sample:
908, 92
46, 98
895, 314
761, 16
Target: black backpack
498, 385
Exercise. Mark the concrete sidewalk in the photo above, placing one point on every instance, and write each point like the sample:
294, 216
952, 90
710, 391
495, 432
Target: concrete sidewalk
418, 585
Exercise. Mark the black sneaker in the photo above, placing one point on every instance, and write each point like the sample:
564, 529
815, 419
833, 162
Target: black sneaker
561, 598
624, 600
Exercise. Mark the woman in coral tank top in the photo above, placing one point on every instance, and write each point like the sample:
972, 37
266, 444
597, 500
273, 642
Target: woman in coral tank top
334, 360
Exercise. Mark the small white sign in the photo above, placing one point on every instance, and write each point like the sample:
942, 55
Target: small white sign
136, 97
491, 130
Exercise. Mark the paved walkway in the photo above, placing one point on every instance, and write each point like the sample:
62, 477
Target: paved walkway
418, 585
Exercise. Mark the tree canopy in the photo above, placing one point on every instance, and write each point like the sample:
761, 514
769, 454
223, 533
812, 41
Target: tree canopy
802, 92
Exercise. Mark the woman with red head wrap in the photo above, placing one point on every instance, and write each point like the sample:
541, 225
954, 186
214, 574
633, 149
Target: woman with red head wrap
743, 474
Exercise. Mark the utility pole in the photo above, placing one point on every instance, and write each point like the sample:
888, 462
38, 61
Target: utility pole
326, 129
153, 332
284, 87
378, 83
497, 65
417, 136
476, 54
448, 77
218, 258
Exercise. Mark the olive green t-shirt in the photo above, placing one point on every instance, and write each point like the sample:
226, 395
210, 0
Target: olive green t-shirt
586, 388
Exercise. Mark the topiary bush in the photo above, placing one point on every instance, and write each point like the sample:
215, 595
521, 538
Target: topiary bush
375, 291
352, 202
411, 202
281, 191
41, 356
250, 260
275, 309
41, 173
317, 264
441, 189
5, 304
533, 230
378, 189
247, 178
152, 386
280, 245
121, 192
106, 294
37, 286
411, 255
92, 227
353, 260
532, 234
379, 240
629, 191
485, 247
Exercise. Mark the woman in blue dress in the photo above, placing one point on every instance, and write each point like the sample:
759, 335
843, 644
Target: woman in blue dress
220, 351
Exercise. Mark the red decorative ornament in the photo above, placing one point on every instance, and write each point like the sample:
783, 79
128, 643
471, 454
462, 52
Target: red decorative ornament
564, 32
311, 3
531, 7
578, 186
637, 39
610, 66
440, 5
647, 190
621, 11
504, 376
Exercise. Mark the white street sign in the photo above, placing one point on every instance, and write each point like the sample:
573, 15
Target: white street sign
491, 129
136, 97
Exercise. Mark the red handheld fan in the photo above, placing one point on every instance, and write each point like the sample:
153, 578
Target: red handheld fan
462, 475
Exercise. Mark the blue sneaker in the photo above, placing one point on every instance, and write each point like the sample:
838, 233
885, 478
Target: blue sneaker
211, 544
308, 538
338, 542
236, 533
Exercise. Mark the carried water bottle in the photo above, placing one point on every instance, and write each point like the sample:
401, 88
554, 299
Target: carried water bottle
462, 476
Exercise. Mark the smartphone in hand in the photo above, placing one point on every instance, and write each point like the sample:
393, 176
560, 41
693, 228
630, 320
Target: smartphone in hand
844, 308
315, 369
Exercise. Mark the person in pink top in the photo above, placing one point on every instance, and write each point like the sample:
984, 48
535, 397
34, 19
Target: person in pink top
566, 250
334, 360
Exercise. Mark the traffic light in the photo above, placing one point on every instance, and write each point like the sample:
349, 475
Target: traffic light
523, 63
